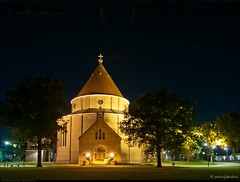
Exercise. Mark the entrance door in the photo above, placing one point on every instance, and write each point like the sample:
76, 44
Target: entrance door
100, 154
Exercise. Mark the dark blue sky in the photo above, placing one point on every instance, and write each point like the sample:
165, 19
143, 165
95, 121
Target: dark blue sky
191, 48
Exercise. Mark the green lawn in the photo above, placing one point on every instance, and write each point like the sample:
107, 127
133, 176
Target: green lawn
193, 163
118, 172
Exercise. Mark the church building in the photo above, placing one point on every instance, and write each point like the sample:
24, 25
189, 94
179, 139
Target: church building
92, 134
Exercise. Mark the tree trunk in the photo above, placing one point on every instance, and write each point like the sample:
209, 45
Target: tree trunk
39, 159
159, 164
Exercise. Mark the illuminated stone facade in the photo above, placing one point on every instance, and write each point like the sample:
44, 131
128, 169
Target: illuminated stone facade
92, 133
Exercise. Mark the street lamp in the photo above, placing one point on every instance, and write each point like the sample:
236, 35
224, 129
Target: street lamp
226, 153
7, 143
205, 144
212, 154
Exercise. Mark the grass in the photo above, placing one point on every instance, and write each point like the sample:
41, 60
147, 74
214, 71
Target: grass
178, 163
50, 171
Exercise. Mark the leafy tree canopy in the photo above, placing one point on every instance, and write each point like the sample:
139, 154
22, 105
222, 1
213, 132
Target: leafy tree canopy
193, 143
229, 125
32, 108
158, 120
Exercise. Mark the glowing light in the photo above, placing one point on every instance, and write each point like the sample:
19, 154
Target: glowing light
87, 155
7, 143
112, 155
219, 142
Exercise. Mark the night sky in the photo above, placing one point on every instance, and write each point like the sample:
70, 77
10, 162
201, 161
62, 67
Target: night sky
191, 48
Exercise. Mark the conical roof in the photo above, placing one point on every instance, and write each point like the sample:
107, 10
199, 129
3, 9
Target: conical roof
100, 82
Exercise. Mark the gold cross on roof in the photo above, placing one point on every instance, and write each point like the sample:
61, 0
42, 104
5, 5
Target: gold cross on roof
100, 56
100, 60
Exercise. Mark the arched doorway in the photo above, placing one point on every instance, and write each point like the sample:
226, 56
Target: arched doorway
99, 155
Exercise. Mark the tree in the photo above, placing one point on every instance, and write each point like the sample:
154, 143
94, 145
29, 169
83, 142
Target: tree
192, 143
212, 137
229, 125
32, 109
16, 144
1, 155
158, 120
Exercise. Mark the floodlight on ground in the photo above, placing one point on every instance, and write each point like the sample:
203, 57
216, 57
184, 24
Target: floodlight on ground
225, 148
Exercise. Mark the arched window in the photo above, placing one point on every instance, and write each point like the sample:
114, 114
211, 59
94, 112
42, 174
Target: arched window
100, 149
100, 135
